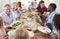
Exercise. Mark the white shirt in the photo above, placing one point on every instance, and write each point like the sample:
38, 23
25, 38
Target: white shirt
32, 6
7, 20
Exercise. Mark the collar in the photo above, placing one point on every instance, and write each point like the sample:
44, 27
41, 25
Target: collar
54, 12
6, 14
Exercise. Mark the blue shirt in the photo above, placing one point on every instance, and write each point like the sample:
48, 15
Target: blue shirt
32, 6
15, 15
50, 17
49, 21
7, 20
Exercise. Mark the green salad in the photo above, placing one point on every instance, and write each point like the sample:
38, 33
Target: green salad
17, 23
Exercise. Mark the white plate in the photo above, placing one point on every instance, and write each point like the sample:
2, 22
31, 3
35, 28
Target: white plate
31, 34
44, 29
15, 22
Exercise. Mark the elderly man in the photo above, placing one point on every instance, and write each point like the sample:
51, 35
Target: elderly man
32, 6
7, 15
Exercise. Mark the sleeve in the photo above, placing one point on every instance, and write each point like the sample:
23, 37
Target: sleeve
50, 19
49, 22
50, 26
29, 7
13, 17
37, 7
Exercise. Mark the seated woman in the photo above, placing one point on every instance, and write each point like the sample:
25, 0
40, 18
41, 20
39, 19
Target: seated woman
21, 34
56, 22
19, 6
2, 30
15, 11
41, 35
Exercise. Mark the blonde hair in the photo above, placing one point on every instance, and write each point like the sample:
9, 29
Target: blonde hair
1, 22
1, 26
40, 36
21, 34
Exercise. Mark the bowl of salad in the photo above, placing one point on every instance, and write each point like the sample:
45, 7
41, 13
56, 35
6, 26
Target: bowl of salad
17, 23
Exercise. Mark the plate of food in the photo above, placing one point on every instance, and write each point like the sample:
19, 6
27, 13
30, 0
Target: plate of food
27, 26
45, 30
30, 15
17, 23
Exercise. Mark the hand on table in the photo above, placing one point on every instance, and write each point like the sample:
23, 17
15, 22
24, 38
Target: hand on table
9, 28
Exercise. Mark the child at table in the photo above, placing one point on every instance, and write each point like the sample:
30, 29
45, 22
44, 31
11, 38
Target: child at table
56, 22
21, 34
2, 30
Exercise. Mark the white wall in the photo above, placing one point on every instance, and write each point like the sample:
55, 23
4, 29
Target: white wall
47, 2
58, 5
3, 2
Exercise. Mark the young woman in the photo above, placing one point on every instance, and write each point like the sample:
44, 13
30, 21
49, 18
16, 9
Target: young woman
2, 30
41, 35
21, 34
19, 5
15, 11
56, 22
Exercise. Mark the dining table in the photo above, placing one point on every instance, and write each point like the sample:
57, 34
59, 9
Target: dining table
28, 21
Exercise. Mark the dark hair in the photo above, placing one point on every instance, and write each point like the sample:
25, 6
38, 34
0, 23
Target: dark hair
19, 4
7, 5
53, 5
57, 21
40, 3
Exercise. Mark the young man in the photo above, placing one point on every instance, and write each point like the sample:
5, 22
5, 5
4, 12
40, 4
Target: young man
41, 8
42, 11
49, 20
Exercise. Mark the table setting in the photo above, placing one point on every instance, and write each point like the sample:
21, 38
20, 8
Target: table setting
28, 21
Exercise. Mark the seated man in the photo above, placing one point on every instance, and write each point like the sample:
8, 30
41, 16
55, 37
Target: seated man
32, 6
42, 11
7, 15
49, 19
